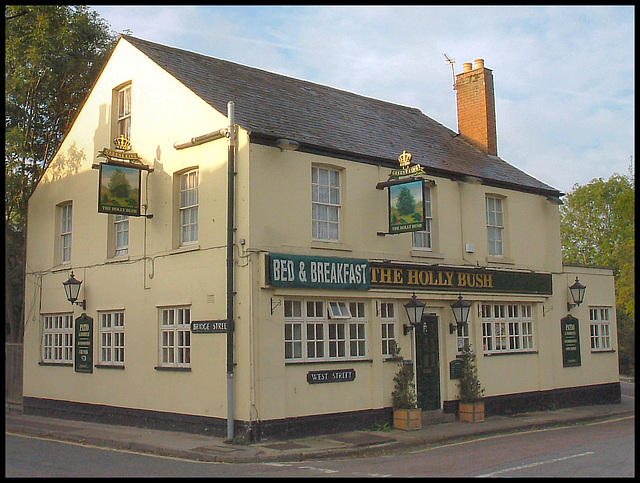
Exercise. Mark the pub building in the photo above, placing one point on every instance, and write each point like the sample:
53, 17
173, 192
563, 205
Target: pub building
220, 249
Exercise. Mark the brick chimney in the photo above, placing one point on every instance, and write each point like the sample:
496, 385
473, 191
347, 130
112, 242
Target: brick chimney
477, 107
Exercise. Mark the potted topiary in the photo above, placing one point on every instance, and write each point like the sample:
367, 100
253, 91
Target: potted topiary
406, 414
471, 405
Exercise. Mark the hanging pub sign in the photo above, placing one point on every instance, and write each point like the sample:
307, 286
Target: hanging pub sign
406, 207
119, 180
119, 190
406, 197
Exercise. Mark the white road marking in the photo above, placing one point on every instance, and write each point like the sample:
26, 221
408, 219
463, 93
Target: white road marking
518, 433
531, 465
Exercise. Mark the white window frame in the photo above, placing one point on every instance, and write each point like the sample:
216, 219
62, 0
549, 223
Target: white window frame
507, 327
123, 113
121, 234
462, 337
57, 338
326, 207
310, 334
66, 229
112, 337
388, 329
600, 328
423, 239
495, 225
175, 336
188, 198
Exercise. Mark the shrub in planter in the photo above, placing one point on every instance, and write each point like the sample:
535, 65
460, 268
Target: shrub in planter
406, 414
471, 405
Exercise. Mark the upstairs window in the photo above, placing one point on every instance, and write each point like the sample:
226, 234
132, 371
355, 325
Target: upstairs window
423, 239
124, 112
495, 226
66, 218
121, 227
189, 207
325, 205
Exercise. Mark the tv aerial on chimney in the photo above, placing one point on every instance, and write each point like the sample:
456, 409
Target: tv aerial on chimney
453, 72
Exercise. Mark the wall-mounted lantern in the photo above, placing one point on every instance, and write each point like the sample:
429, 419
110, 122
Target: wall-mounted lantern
414, 309
577, 293
72, 289
461, 309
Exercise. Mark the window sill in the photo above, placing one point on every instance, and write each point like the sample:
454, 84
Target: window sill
109, 366
416, 252
603, 351
500, 260
118, 259
330, 245
172, 369
56, 364
186, 248
341, 361
509, 353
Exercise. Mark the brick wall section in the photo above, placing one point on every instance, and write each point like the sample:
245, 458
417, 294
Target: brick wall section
476, 108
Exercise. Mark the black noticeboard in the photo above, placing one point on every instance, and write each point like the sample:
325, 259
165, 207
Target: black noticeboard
84, 344
455, 369
570, 329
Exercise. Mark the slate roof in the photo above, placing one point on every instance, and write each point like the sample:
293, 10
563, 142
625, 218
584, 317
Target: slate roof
332, 121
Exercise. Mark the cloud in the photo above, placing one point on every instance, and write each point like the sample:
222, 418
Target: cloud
564, 76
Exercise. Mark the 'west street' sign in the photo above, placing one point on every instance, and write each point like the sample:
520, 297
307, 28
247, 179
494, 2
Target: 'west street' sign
335, 375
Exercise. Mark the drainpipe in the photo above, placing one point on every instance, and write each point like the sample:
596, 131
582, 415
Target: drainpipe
230, 292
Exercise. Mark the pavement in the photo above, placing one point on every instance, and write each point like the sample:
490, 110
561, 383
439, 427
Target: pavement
438, 428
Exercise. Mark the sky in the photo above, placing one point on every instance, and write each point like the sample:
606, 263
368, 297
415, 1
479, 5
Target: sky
563, 76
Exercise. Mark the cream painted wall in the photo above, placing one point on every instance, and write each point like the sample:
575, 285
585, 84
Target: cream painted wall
155, 272
273, 214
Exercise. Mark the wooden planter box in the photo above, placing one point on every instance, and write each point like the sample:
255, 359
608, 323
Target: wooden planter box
471, 412
407, 419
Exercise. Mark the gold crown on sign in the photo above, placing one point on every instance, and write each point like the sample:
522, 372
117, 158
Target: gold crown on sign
405, 159
122, 143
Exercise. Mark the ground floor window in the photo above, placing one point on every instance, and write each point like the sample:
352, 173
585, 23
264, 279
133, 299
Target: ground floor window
318, 330
57, 338
175, 337
112, 338
600, 328
507, 328
388, 316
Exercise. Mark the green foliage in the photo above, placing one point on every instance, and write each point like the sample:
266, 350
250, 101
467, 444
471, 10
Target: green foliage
470, 388
119, 185
53, 54
598, 228
404, 393
406, 203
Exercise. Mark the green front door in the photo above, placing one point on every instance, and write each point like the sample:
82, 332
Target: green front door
427, 363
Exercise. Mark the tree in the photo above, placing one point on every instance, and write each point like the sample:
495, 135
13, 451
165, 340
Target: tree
53, 54
406, 203
119, 185
598, 228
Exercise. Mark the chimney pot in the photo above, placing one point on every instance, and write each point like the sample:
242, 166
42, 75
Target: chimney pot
466, 66
479, 63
